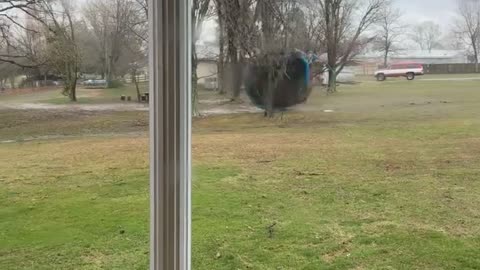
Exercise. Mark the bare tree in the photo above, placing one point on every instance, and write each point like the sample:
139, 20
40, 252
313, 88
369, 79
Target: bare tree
468, 26
139, 26
454, 40
63, 53
315, 37
139, 45
233, 12
342, 33
8, 72
200, 10
10, 24
427, 35
112, 22
221, 46
136, 59
390, 30
89, 47
262, 34
48, 40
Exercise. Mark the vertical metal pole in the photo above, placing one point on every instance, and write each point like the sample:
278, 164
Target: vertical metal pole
170, 110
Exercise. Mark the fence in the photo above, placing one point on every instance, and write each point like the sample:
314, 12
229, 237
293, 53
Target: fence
141, 78
451, 68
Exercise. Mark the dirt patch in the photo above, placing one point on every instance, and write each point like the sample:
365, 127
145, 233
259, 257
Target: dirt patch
77, 107
230, 110
25, 91
91, 93
218, 109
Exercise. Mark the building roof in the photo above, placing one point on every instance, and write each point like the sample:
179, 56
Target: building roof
207, 51
415, 54
425, 54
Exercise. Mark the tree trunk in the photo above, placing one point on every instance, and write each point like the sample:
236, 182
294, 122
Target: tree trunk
12, 82
73, 91
331, 34
270, 86
71, 88
232, 51
233, 56
137, 87
269, 97
221, 73
71, 83
475, 50
332, 80
194, 91
385, 59
109, 77
194, 82
221, 55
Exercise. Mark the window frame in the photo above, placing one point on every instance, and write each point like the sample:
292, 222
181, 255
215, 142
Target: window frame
170, 134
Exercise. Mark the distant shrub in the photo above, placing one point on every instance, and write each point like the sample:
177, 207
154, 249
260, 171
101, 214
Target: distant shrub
116, 84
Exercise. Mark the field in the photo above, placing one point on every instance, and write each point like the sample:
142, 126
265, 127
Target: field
376, 176
84, 95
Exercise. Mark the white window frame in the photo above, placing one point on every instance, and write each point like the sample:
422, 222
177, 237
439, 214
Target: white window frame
170, 134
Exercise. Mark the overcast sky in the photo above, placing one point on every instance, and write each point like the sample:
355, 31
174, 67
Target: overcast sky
414, 11
439, 11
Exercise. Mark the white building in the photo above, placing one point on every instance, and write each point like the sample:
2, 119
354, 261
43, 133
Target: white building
431, 57
420, 56
370, 61
207, 65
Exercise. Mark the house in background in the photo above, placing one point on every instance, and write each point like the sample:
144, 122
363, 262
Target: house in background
370, 61
431, 57
207, 71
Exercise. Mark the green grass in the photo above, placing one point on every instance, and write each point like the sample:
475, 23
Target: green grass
84, 95
99, 96
389, 180
20, 125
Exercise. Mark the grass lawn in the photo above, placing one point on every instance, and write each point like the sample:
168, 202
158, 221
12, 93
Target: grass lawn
388, 180
84, 95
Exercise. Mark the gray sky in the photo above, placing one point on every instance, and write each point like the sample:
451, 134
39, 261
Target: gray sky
439, 11
414, 11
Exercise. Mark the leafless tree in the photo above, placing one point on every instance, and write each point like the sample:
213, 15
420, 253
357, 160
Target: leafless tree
47, 39
233, 12
343, 31
10, 23
314, 35
62, 50
221, 45
113, 22
138, 47
200, 10
8, 72
135, 57
427, 35
468, 26
390, 29
139, 26
454, 40
89, 47
246, 26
